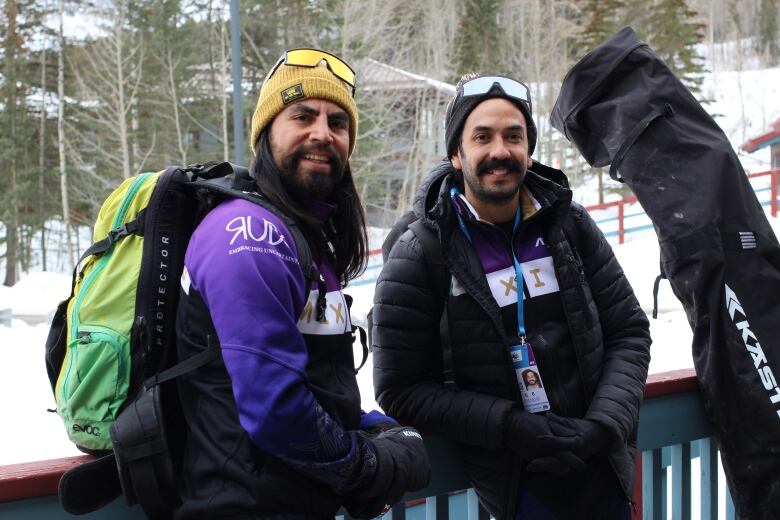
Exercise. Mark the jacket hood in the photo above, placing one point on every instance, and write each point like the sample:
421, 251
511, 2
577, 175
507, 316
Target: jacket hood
428, 193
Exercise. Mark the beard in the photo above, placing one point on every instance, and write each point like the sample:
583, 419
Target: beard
305, 184
495, 194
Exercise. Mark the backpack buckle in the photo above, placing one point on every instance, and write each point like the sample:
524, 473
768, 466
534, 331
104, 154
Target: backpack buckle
117, 233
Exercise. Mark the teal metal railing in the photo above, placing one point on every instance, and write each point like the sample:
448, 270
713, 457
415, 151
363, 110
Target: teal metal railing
674, 437
673, 434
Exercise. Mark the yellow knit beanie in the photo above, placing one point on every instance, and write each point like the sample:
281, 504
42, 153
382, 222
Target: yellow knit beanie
290, 83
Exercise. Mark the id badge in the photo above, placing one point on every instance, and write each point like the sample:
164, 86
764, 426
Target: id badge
528, 377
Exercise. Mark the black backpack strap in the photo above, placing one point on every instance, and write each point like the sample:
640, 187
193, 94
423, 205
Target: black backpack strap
188, 365
134, 227
89, 486
363, 337
656, 284
140, 437
640, 127
439, 275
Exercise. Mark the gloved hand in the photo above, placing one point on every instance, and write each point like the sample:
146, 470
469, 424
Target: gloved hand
381, 467
401, 464
557, 464
376, 422
373, 422
592, 438
530, 435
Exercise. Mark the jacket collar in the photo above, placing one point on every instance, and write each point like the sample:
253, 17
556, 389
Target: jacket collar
318, 209
528, 203
542, 185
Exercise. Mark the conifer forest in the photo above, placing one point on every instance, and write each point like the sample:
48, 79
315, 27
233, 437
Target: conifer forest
96, 91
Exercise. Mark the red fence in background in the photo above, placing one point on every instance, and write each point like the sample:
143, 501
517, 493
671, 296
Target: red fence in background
772, 187
621, 204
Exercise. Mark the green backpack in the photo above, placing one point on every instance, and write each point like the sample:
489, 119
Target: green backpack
112, 345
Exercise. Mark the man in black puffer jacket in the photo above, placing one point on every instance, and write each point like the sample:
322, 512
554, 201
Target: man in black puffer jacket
453, 330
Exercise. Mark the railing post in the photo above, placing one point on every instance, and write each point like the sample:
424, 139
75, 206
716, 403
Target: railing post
708, 457
437, 508
474, 510
730, 512
652, 485
398, 512
621, 224
773, 192
681, 481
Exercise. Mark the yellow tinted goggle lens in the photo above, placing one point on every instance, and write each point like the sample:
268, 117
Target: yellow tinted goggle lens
312, 58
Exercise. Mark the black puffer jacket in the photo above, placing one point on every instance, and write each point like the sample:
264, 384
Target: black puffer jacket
608, 330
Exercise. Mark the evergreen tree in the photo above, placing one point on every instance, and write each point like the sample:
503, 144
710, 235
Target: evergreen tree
480, 39
672, 30
18, 154
767, 35
600, 19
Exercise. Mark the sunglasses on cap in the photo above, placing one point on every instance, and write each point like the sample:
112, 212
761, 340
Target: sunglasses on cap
512, 88
312, 58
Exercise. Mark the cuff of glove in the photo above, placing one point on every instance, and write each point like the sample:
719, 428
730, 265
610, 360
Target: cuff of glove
609, 441
401, 464
377, 422
343, 475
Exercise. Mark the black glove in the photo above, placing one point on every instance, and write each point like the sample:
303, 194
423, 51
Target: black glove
401, 464
592, 438
381, 467
557, 464
530, 435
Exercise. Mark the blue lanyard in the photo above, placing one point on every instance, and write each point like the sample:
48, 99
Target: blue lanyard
518, 278
518, 272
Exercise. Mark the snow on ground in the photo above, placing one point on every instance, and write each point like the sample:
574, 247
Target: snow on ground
32, 433
25, 393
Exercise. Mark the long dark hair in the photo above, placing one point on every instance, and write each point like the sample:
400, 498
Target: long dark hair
346, 230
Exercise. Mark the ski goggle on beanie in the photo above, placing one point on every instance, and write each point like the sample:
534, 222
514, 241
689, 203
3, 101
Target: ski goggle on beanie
474, 91
306, 74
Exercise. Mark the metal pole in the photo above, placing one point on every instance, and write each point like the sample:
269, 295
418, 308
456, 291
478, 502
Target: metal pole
238, 97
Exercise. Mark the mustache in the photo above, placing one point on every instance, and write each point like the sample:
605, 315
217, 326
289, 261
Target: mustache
510, 164
333, 159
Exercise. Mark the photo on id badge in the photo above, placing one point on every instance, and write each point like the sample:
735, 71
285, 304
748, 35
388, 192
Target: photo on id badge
528, 377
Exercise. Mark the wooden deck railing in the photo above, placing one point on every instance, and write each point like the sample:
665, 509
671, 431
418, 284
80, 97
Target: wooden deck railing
673, 431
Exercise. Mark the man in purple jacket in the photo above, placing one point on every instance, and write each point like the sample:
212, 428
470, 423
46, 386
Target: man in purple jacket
275, 428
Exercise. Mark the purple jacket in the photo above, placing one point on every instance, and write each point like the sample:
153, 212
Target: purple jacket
243, 262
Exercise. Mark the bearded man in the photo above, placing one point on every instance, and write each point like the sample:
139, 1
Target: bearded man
275, 429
